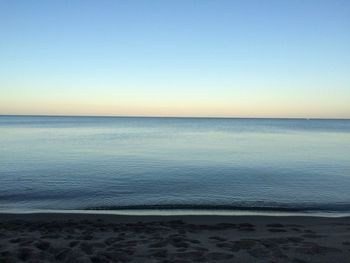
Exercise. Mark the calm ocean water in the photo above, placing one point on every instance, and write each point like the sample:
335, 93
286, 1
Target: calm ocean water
114, 163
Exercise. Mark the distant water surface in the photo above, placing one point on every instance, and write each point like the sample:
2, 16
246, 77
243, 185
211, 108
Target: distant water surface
174, 163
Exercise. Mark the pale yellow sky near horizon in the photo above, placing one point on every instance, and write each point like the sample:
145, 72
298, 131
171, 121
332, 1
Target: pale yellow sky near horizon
263, 107
236, 96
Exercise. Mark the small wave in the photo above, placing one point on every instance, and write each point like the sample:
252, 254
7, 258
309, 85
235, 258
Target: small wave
288, 208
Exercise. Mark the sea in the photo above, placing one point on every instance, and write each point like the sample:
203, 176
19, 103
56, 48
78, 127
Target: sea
217, 165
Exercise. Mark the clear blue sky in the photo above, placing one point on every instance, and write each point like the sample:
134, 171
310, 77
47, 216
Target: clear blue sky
176, 58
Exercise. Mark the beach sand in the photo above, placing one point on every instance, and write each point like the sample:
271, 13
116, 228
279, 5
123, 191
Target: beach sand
115, 238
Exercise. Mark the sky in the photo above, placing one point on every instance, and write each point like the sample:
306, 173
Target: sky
248, 58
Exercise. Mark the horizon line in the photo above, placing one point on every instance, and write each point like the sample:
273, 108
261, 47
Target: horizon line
169, 117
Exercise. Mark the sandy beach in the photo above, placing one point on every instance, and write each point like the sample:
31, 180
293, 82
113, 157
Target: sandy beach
119, 238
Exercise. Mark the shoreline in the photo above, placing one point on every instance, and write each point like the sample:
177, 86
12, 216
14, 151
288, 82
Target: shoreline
119, 217
93, 238
173, 213
181, 212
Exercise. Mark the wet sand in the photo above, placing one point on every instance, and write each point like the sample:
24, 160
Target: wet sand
116, 238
